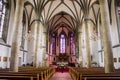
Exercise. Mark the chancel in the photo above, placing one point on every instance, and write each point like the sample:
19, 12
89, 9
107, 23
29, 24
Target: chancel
60, 39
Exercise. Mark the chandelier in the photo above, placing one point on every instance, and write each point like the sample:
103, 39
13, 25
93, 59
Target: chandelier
29, 36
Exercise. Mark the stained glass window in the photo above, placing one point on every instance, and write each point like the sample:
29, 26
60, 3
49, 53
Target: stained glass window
53, 44
2, 16
71, 43
118, 16
62, 43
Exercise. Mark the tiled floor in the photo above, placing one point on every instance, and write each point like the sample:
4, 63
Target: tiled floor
61, 76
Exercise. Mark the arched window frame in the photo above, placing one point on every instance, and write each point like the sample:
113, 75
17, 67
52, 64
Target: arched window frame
71, 43
117, 8
54, 43
4, 19
63, 44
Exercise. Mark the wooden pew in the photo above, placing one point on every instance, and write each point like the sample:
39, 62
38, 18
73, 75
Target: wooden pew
35, 73
104, 76
45, 71
18, 76
93, 73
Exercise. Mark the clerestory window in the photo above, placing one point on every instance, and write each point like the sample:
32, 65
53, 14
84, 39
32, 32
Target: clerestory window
71, 44
53, 44
2, 16
4, 19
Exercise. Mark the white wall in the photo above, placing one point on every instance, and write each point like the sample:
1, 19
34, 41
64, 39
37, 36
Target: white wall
3, 53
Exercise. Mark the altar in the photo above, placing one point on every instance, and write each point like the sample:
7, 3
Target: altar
62, 64
62, 67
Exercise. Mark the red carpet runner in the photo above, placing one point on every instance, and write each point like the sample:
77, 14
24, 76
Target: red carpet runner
61, 76
62, 69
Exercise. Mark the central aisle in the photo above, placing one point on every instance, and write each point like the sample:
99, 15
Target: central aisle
61, 76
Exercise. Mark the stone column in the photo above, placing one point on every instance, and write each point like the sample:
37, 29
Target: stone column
47, 47
37, 45
17, 25
80, 48
50, 48
57, 45
68, 46
44, 49
108, 54
87, 42
76, 48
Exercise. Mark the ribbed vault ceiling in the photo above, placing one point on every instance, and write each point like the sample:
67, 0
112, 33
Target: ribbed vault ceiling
69, 13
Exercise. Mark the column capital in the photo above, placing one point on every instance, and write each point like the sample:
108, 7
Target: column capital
86, 19
79, 32
45, 33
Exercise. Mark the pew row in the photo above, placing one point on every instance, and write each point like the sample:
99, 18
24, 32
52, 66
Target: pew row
28, 74
104, 76
16, 77
92, 74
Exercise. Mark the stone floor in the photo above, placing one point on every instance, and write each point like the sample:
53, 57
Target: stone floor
61, 76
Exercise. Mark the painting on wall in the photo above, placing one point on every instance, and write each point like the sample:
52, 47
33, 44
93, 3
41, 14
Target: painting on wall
5, 59
119, 59
115, 59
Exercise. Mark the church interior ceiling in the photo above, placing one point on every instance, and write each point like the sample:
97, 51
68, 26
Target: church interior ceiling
67, 13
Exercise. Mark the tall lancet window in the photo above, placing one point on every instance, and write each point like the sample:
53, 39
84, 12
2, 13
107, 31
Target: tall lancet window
2, 16
118, 17
53, 44
71, 44
62, 43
